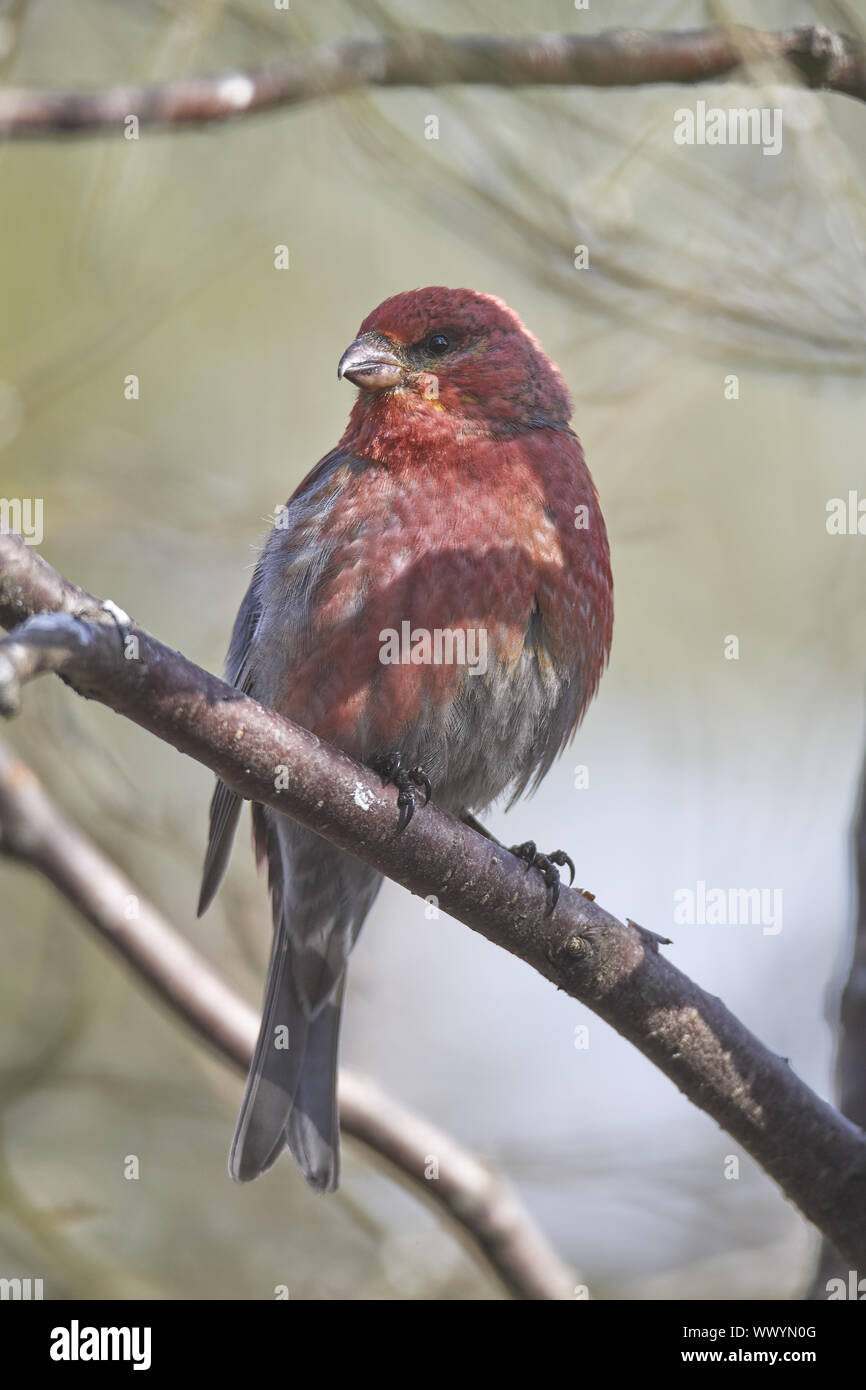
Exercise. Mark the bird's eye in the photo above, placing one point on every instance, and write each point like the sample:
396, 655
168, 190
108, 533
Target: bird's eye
437, 343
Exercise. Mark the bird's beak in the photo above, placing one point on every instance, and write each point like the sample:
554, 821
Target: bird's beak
371, 362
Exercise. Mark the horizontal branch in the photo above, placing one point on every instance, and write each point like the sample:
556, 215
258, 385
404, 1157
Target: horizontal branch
35, 832
816, 1155
613, 58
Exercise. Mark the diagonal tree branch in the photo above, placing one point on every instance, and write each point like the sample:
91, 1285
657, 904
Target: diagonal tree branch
613, 58
34, 831
815, 1155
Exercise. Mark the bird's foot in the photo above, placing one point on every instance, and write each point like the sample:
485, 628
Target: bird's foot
390, 769
547, 867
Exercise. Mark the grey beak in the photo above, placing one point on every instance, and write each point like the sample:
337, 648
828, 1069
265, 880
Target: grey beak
371, 363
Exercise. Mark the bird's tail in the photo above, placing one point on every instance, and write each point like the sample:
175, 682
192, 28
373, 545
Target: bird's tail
291, 1091
320, 897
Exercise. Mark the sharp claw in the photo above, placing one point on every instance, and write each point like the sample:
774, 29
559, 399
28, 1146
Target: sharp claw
390, 768
560, 857
406, 804
545, 864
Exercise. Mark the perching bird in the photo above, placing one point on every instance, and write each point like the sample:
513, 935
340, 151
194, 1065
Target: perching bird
457, 502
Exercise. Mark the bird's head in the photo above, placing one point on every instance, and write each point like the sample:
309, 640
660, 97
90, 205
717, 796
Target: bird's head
458, 358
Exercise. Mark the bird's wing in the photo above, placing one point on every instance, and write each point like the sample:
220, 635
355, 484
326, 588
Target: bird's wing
225, 806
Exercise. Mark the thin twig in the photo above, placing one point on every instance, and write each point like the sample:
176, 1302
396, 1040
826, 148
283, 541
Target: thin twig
614, 58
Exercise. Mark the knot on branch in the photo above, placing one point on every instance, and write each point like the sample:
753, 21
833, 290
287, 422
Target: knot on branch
820, 56
572, 954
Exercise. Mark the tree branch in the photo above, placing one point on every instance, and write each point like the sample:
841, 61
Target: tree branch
34, 831
613, 58
851, 1050
816, 1155
852, 1035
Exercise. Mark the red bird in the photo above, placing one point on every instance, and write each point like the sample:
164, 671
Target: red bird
436, 600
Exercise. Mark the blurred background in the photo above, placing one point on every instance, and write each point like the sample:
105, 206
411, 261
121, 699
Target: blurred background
156, 258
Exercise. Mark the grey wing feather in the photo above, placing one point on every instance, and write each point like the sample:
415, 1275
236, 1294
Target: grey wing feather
225, 806
225, 810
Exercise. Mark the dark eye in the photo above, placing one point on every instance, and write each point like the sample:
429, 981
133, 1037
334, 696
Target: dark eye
437, 343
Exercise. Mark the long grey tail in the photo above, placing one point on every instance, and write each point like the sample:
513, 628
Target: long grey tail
291, 1092
320, 897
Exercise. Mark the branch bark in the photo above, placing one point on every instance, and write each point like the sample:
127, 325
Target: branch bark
851, 1052
33, 831
852, 1040
817, 1156
614, 58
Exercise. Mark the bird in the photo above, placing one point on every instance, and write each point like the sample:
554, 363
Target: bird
457, 502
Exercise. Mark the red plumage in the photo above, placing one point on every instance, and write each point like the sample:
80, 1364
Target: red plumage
457, 502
